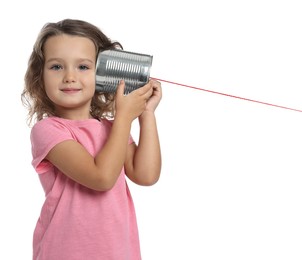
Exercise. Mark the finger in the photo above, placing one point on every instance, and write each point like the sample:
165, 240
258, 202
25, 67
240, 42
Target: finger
155, 84
156, 87
144, 89
148, 93
120, 88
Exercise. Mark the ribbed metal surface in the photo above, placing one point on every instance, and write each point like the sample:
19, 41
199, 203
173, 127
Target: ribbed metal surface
115, 65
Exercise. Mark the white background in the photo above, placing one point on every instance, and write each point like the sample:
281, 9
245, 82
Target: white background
231, 176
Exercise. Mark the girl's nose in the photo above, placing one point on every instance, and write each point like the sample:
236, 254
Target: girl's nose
69, 76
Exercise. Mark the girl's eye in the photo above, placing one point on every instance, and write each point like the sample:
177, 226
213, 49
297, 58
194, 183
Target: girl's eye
56, 67
83, 67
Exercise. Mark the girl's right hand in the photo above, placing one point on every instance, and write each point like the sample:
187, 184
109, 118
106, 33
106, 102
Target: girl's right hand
132, 105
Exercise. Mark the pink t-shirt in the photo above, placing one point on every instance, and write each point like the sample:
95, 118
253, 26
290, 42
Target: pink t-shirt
78, 223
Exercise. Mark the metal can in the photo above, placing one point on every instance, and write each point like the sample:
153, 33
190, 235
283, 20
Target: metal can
115, 65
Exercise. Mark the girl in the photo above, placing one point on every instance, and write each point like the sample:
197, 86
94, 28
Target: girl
82, 148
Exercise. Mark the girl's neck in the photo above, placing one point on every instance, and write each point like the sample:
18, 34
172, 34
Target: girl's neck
74, 115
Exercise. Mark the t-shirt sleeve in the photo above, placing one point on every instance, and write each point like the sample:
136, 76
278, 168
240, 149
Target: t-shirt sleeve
44, 136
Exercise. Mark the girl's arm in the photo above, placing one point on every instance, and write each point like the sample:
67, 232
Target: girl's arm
143, 164
101, 172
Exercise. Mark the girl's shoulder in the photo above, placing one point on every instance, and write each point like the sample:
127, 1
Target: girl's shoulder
53, 120
47, 122
56, 125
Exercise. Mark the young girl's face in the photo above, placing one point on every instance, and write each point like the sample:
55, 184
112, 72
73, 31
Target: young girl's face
69, 74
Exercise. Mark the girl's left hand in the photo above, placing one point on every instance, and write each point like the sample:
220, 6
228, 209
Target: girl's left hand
156, 96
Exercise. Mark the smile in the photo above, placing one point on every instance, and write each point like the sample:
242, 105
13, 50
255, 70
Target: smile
71, 90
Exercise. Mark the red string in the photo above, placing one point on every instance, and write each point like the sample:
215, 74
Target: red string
228, 95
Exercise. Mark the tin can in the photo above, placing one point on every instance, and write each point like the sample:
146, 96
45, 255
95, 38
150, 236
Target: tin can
115, 65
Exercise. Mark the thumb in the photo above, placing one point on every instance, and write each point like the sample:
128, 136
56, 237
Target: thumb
120, 88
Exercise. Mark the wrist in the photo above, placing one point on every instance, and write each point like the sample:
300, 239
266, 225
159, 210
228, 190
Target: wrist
123, 116
146, 115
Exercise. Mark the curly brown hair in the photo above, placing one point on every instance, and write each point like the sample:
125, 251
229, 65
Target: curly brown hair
34, 96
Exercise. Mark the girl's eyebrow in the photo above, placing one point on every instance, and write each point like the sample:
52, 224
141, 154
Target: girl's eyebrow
52, 60
61, 60
85, 60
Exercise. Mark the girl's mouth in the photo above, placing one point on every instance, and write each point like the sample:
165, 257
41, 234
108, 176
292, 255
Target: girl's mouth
70, 90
